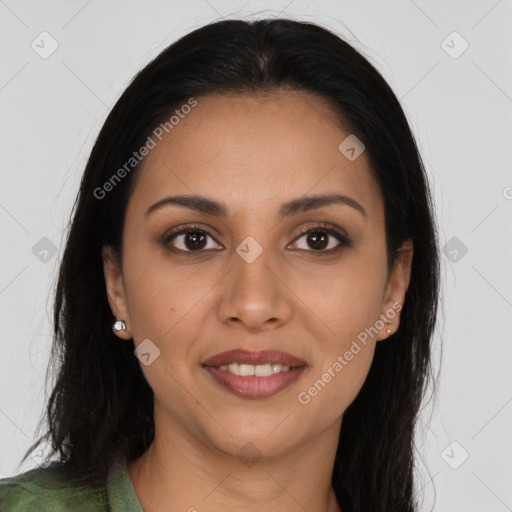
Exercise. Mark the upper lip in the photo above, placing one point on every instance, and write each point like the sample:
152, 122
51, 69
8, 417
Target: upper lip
251, 357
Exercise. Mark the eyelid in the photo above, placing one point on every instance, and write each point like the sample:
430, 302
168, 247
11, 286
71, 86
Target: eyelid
181, 230
330, 229
326, 226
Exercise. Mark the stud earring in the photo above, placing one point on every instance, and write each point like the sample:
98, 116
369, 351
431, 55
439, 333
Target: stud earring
388, 322
119, 325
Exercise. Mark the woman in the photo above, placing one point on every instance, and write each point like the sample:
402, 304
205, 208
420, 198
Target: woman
248, 293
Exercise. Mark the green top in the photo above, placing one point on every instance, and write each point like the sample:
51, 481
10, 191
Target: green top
45, 489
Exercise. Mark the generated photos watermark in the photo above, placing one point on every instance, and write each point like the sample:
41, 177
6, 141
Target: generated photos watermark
138, 156
304, 397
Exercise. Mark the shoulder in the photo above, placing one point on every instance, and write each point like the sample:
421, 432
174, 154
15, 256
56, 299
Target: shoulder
47, 489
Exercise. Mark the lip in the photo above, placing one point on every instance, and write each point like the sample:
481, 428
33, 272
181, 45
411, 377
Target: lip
254, 387
242, 356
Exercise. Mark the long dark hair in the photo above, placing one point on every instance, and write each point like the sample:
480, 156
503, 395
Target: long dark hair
91, 414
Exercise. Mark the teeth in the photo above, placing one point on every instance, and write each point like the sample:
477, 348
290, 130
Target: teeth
259, 370
245, 370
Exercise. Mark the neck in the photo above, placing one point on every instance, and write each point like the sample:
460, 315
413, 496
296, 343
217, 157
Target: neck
179, 472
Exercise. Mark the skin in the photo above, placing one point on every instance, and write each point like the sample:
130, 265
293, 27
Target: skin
253, 153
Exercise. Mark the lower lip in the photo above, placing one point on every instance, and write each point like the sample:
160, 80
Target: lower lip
252, 386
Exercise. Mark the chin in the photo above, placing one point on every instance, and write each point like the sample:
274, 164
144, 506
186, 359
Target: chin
267, 438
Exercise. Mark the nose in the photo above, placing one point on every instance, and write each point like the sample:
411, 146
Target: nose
255, 294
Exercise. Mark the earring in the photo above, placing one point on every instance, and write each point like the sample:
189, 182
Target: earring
388, 322
119, 325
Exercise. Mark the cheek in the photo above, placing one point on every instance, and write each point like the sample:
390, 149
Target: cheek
167, 302
342, 302
152, 307
348, 306
155, 298
335, 381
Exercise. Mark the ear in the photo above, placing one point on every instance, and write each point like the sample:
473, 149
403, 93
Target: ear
116, 293
396, 288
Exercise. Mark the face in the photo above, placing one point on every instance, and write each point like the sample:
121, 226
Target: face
308, 279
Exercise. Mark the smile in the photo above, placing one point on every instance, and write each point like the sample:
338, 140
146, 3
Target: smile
260, 370
254, 374
252, 386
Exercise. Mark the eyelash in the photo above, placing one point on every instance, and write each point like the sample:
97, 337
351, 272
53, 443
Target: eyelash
322, 228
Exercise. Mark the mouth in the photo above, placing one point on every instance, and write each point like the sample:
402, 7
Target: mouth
254, 375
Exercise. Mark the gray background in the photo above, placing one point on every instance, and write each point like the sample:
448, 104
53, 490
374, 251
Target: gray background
459, 106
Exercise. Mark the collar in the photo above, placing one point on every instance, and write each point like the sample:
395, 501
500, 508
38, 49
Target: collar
121, 493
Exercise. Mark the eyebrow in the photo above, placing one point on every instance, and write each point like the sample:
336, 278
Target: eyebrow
302, 204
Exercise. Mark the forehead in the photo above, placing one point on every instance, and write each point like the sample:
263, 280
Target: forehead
247, 150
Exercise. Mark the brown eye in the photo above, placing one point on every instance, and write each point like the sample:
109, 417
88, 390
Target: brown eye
191, 240
323, 239
318, 240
